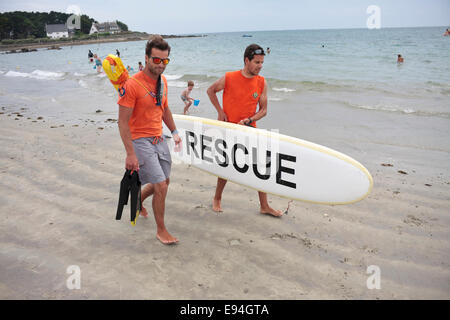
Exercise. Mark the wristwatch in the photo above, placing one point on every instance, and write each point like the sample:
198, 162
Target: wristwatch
174, 132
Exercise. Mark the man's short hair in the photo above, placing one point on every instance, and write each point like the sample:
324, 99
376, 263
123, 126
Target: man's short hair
156, 41
253, 50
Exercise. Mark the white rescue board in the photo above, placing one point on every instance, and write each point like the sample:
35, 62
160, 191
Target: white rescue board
271, 162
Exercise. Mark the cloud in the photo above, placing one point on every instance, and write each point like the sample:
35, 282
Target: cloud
73, 8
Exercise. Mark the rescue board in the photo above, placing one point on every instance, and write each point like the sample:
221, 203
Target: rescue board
270, 162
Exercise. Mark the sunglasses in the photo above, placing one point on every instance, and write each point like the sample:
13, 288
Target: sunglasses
157, 60
258, 51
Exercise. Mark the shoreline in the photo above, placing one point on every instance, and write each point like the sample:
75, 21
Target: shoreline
7, 49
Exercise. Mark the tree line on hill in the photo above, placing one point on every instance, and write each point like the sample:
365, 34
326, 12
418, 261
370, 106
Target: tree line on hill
23, 25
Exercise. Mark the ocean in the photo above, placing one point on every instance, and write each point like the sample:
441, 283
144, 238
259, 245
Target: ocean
340, 88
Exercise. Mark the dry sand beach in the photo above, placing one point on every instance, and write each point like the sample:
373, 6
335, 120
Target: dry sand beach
58, 196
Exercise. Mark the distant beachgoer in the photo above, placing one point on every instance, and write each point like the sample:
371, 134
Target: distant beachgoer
90, 56
141, 67
117, 53
400, 59
98, 63
447, 32
243, 90
129, 69
268, 50
185, 96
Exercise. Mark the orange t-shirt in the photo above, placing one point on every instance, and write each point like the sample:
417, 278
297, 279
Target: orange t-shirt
241, 96
146, 120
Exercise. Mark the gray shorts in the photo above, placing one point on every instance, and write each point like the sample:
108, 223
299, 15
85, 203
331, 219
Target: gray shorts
154, 160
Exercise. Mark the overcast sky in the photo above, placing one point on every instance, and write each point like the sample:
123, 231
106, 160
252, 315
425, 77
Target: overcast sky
203, 16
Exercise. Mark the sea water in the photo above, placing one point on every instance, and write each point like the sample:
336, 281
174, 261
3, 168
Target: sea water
323, 85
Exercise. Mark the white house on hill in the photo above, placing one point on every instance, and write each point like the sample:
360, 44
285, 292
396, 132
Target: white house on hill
105, 27
56, 31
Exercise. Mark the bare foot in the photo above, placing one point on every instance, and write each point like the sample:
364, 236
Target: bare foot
166, 238
143, 212
273, 212
216, 206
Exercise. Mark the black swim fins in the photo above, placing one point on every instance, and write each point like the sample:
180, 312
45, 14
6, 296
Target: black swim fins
130, 184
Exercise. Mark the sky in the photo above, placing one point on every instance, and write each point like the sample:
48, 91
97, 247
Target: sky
208, 16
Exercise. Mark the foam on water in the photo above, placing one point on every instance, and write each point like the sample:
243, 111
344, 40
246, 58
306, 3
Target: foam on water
283, 89
173, 76
177, 84
16, 74
83, 84
401, 110
37, 74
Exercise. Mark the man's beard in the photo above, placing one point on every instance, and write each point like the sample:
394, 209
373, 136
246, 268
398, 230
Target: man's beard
155, 70
254, 72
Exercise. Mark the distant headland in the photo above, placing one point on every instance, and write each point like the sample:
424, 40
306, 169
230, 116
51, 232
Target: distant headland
28, 31
55, 44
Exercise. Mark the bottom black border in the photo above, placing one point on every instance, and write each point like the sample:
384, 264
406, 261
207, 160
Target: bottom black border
223, 309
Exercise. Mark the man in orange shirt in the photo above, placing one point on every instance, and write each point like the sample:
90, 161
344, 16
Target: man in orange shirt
243, 90
142, 108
